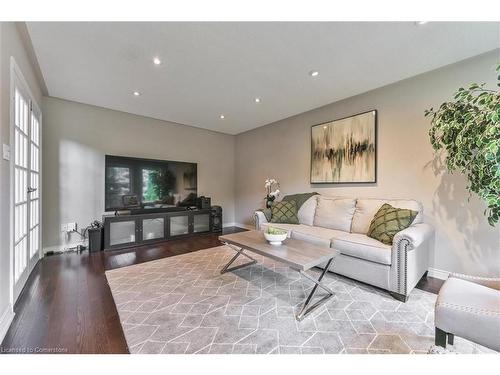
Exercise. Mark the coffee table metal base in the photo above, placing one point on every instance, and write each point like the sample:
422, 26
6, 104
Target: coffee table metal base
307, 307
239, 251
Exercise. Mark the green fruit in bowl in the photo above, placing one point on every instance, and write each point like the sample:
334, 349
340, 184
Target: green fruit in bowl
271, 230
275, 236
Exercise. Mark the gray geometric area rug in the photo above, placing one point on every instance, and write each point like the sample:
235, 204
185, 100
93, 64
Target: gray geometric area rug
183, 304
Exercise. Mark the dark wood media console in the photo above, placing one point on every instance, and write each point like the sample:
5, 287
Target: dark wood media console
135, 230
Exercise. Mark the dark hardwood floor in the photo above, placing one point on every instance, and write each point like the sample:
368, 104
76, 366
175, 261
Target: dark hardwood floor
430, 284
67, 306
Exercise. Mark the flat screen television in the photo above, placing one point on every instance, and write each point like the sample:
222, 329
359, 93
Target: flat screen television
145, 183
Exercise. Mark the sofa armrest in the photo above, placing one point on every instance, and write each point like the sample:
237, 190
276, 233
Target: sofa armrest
411, 251
259, 218
490, 282
415, 235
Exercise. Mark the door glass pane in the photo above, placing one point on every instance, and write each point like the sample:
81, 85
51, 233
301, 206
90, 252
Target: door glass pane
153, 228
34, 184
20, 252
34, 242
202, 223
179, 225
121, 232
35, 130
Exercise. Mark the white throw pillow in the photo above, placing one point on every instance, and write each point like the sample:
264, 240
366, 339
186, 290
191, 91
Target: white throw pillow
307, 210
335, 213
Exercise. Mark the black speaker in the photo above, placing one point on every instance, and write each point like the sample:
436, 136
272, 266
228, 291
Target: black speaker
203, 202
96, 239
216, 213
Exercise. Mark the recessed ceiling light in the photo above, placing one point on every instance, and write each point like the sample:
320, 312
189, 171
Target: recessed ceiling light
257, 100
136, 93
314, 73
418, 23
156, 61
222, 117
324, 127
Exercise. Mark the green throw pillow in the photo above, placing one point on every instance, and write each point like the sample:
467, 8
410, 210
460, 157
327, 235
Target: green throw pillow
284, 212
388, 221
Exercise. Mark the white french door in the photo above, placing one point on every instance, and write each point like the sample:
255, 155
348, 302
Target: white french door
26, 182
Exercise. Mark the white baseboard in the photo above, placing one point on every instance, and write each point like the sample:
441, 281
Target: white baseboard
5, 321
246, 226
226, 225
438, 274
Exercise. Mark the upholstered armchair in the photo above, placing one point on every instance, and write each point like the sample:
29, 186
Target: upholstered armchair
469, 307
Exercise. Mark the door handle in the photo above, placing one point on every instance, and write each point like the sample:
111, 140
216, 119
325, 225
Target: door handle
32, 190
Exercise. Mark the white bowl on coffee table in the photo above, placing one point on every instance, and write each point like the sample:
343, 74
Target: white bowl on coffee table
275, 239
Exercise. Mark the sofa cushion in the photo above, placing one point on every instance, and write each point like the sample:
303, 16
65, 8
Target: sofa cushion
315, 235
335, 213
367, 208
363, 247
307, 210
284, 212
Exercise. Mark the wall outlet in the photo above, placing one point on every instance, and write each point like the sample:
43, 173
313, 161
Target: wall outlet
6, 152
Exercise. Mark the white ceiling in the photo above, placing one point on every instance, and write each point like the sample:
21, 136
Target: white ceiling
210, 69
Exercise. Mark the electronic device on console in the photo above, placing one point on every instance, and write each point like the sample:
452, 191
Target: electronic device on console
203, 202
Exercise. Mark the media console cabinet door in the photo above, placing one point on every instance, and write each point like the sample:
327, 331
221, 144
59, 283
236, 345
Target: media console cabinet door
153, 228
179, 225
122, 232
201, 222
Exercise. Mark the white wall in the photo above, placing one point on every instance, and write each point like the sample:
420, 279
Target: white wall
407, 166
12, 43
76, 137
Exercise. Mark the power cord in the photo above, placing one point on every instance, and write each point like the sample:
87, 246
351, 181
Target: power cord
83, 234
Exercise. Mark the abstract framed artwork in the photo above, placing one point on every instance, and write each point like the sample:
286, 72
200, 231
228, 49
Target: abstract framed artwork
345, 150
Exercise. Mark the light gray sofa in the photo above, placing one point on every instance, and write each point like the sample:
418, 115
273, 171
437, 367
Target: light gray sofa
342, 223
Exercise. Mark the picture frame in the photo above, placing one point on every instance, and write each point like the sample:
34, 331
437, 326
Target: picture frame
344, 151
